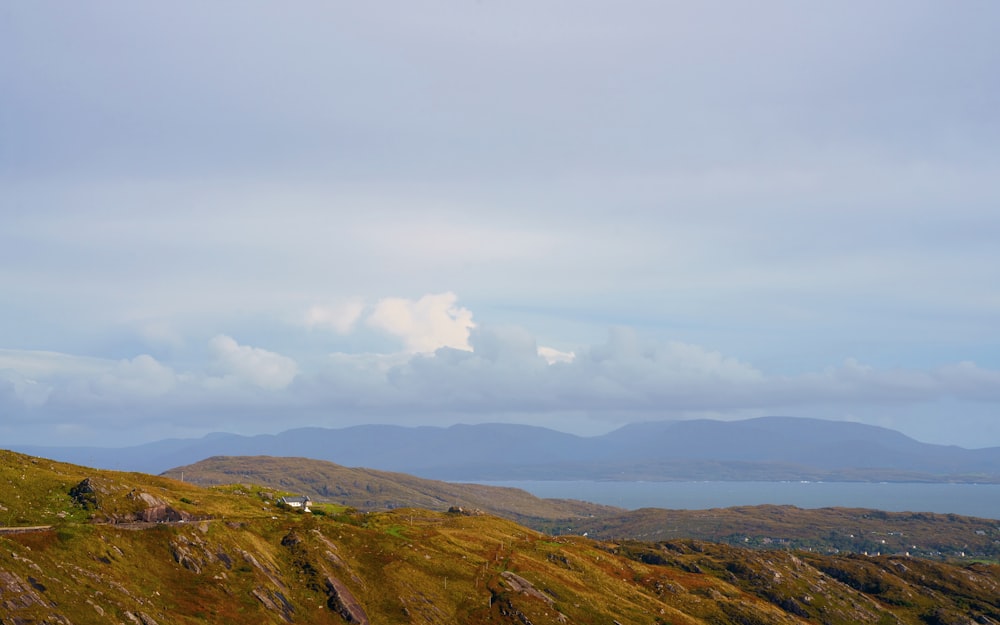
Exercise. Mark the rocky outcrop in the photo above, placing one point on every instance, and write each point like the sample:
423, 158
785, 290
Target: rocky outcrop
89, 492
523, 586
339, 597
156, 510
465, 511
274, 601
84, 494
16, 595
140, 619
342, 601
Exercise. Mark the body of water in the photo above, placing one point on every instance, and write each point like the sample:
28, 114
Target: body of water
979, 500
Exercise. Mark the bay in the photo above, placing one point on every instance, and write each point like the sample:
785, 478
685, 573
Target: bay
979, 500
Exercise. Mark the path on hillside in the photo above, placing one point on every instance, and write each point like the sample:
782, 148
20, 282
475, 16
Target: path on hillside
24, 529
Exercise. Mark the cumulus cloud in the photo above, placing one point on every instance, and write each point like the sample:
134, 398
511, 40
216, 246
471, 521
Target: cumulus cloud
341, 318
424, 325
502, 370
502, 375
252, 365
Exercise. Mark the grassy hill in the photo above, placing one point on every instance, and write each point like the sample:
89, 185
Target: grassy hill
827, 530
111, 547
368, 489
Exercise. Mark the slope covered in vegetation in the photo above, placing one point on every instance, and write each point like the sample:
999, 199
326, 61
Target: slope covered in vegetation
369, 490
87, 547
825, 530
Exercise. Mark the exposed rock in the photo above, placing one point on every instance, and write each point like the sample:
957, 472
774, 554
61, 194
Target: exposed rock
141, 619
96, 607
335, 559
156, 510
341, 600
274, 601
146, 498
291, 539
507, 608
465, 512
85, 494
162, 513
184, 557
520, 585
523, 586
16, 594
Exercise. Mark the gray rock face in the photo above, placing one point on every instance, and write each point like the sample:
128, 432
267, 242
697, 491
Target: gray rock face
342, 601
85, 494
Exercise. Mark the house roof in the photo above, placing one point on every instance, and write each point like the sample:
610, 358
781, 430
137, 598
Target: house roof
300, 500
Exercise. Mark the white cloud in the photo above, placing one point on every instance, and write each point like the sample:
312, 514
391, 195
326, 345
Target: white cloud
30, 392
254, 365
426, 324
505, 376
142, 376
553, 355
341, 318
44, 364
504, 345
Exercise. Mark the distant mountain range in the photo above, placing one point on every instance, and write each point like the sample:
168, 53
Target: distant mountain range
768, 448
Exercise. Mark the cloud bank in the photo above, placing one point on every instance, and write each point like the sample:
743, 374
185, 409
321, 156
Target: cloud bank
449, 369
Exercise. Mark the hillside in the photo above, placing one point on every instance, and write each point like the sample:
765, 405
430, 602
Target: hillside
763, 449
175, 553
368, 489
825, 530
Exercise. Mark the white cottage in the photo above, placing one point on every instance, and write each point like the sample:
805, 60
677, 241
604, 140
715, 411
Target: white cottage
300, 503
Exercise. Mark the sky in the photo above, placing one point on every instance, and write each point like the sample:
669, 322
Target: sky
248, 217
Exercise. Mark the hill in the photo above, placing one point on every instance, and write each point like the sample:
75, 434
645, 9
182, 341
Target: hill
93, 547
370, 490
769, 448
98, 547
825, 530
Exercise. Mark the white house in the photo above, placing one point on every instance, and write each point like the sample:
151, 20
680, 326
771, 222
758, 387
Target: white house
302, 502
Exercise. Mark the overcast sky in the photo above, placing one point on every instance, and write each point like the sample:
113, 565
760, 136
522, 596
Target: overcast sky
252, 216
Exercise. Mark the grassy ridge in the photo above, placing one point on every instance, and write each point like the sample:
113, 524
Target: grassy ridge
244, 559
368, 489
827, 530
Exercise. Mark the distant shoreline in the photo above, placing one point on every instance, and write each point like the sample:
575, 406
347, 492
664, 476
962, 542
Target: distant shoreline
967, 499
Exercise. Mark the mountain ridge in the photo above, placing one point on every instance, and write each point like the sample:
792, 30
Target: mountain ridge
776, 448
